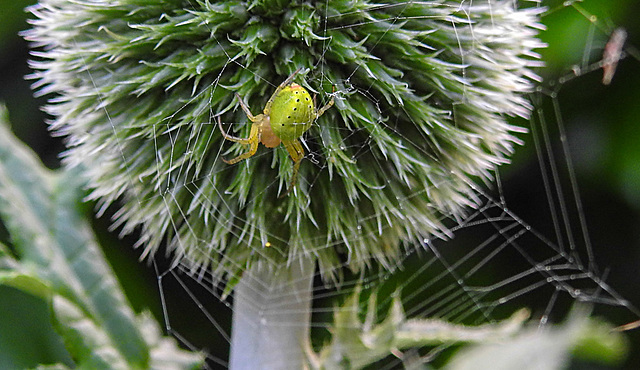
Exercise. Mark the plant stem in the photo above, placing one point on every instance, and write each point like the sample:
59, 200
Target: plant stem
271, 317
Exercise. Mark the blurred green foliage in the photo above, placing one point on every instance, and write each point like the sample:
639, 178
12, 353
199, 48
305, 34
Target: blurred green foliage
28, 337
55, 257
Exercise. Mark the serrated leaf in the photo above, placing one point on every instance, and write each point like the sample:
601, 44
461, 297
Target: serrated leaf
549, 347
55, 246
360, 344
506, 344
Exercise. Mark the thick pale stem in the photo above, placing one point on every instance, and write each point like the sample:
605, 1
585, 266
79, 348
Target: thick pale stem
271, 317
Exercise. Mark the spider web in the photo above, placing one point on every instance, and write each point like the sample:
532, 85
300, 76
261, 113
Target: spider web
526, 245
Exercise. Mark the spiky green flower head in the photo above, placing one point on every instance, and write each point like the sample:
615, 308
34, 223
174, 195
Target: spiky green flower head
422, 93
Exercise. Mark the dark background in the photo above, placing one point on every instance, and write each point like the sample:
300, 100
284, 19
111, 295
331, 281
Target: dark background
601, 123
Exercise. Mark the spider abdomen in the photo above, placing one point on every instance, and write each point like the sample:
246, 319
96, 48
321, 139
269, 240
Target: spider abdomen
268, 137
292, 112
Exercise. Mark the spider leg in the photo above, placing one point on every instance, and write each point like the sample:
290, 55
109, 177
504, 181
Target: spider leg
252, 141
235, 139
285, 83
251, 117
246, 110
297, 153
320, 111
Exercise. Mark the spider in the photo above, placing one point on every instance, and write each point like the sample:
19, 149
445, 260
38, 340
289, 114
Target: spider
288, 114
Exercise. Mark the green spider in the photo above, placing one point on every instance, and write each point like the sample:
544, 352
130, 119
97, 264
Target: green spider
287, 115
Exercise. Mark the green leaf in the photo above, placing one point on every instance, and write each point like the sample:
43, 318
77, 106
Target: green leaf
506, 344
27, 336
89, 343
56, 250
599, 342
549, 347
25, 283
52, 367
360, 344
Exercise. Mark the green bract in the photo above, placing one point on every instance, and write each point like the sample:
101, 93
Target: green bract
421, 88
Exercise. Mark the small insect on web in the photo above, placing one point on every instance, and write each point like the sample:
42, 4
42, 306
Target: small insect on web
288, 114
612, 54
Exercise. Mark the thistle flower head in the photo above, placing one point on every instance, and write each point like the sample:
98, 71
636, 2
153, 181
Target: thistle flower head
422, 91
